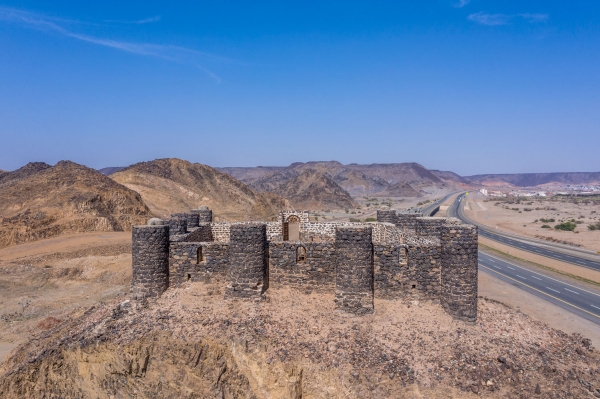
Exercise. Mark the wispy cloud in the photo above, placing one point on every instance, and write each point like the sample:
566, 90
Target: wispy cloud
535, 17
503, 19
461, 3
169, 52
138, 22
489, 19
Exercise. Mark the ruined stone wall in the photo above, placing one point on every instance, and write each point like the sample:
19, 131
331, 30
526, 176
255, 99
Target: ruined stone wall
204, 214
387, 217
386, 233
429, 226
177, 226
391, 276
248, 271
354, 269
407, 222
221, 230
459, 271
202, 233
184, 264
424, 271
150, 261
317, 272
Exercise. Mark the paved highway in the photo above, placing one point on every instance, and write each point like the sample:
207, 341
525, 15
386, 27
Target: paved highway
428, 210
536, 248
581, 301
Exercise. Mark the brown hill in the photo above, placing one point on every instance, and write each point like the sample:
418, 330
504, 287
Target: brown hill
28, 170
357, 180
313, 190
173, 185
40, 202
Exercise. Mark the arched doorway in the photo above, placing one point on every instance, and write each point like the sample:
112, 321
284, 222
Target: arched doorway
291, 229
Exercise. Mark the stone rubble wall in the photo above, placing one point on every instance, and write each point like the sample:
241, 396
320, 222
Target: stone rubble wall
429, 226
317, 272
424, 271
202, 233
150, 261
177, 226
248, 271
391, 277
204, 214
354, 269
221, 230
184, 265
459, 271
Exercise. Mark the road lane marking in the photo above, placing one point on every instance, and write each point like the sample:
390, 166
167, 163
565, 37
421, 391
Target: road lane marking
553, 290
537, 278
545, 293
572, 291
512, 268
543, 275
520, 277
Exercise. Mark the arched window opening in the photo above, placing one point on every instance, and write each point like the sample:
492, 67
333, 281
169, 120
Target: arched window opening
200, 257
300, 255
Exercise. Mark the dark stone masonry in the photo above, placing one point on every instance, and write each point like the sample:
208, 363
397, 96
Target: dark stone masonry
354, 269
248, 261
150, 261
402, 255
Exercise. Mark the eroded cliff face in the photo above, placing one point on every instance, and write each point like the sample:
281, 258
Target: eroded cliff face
191, 343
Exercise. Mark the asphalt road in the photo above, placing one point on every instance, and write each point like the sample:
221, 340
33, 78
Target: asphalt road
572, 297
434, 206
539, 249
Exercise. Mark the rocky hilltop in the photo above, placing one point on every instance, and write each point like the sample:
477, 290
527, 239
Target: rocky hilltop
191, 343
310, 189
173, 185
41, 201
396, 179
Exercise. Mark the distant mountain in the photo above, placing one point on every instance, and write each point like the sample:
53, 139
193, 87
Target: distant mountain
28, 170
173, 185
450, 176
398, 179
40, 201
312, 190
111, 169
535, 179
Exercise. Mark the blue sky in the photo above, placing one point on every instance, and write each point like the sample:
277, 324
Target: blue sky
468, 86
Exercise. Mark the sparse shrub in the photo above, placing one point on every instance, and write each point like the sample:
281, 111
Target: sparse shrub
527, 209
566, 226
370, 219
595, 226
354, 220
551, 220
545, 226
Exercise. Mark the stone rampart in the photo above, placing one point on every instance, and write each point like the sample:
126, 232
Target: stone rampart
177, 226
197, 261
354, 269
150, 261
202, 233
459, 271
248, 272
391, 277
316, 271
424, 271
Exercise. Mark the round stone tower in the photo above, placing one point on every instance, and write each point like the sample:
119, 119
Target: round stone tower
459, 271
150, 253
248, 268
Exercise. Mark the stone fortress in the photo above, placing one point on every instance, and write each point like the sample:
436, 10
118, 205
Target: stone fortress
402, 255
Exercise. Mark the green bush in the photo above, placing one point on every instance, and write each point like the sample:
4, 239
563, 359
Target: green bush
546, 227
548, 220
594, 226
370, 219
354, 220
566, 226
